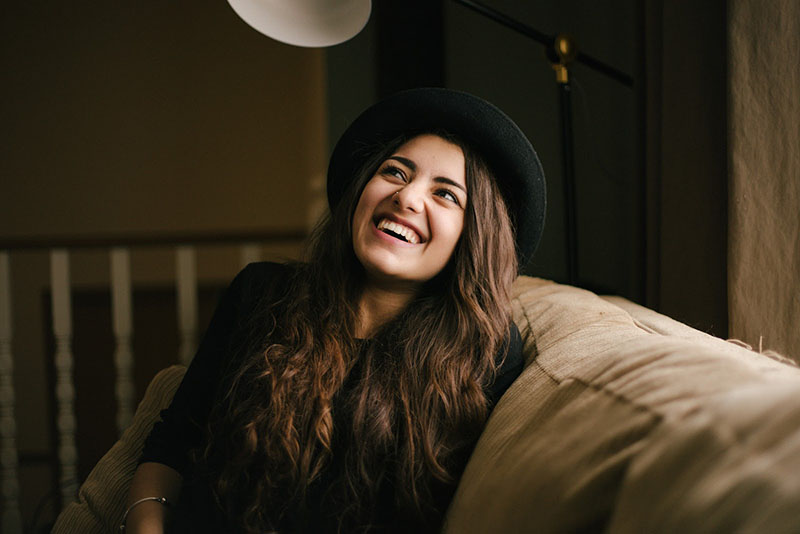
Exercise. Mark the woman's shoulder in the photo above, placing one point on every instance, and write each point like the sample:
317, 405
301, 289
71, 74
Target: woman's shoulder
266, 270
510, 358
260, 279
511, 362
263, 274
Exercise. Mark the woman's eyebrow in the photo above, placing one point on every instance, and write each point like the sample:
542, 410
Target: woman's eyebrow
445, 180
405, 161
441, 179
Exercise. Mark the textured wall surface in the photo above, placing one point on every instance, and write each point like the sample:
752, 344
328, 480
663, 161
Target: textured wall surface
764, 145
154, 118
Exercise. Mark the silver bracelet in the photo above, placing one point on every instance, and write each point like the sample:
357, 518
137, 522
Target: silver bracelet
160, 500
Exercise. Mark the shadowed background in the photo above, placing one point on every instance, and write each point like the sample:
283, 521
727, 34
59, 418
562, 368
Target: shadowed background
177, 118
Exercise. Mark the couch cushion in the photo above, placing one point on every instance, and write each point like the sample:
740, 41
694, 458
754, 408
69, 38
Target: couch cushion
732, 466
605, 423
101, 498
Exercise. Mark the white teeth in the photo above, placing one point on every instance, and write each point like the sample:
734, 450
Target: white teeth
410, 235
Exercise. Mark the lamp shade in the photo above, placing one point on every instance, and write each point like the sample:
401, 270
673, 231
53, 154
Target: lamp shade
311, 23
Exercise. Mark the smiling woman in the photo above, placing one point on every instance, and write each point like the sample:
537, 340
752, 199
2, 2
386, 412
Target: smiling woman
345, 394
411, 213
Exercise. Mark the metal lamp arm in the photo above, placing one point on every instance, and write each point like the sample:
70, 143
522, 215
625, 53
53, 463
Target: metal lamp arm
554, 44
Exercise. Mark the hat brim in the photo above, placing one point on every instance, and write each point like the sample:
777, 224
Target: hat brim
491, 132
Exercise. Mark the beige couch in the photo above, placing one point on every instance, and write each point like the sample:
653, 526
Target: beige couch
623, 420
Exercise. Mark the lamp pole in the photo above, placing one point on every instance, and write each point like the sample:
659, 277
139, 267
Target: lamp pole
562, 51
561, 55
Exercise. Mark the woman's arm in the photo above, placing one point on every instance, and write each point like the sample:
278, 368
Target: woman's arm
152, 480
165, 458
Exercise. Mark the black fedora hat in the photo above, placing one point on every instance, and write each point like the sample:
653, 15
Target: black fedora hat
491, 132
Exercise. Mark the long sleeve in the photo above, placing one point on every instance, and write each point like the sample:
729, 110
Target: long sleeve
183, 423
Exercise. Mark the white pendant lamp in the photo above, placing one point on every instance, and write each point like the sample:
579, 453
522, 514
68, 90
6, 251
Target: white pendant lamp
310, 23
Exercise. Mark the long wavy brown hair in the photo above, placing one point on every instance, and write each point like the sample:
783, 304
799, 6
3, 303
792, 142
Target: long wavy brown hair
310, 401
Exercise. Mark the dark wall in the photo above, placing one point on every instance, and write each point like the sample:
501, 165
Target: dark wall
153, 117
692, 170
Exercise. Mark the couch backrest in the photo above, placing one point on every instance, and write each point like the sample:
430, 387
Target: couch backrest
615, 426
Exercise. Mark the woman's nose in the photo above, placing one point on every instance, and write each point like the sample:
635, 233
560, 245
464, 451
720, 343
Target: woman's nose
409, 197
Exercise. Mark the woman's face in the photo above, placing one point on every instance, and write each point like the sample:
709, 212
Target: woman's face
410, 215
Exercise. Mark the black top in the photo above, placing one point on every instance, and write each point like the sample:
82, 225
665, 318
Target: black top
183, 424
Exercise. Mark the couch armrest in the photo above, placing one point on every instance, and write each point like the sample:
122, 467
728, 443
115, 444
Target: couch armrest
102, 496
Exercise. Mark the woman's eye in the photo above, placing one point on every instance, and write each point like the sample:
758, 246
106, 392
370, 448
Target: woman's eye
447, 195
395, 172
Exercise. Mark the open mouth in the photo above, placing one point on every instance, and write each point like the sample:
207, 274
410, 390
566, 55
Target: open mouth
398, 231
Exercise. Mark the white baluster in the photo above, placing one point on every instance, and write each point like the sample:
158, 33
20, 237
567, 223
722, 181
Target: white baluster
65, 390
187, 302
122, 313
12, 520
250, 253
